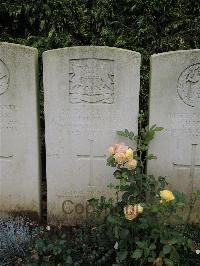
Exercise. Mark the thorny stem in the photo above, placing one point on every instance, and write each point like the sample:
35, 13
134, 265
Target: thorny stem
191, 207
132, 233
139, 145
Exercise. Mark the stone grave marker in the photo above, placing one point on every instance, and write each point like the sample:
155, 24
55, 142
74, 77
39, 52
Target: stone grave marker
19, 140
90, 92
175, 105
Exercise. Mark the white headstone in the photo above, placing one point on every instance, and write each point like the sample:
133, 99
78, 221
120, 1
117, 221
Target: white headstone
90, 92
19, 141
175, 105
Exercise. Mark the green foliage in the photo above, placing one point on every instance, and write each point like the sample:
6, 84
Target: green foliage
86, 245
89, 245
143, 139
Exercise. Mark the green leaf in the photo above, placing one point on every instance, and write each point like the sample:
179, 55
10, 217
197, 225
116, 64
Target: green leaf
150, 259
124, 233
159, 128
51, 32
116, 231
125, 196
42, 24
152, 247
126, 133
196, 194
121, 255
69, 260
136, 157
151, 157
137, 254
124, 187
111, 185
173, 241
121, 133
111, 161
93, 202
167, 249
118, 174
112, 219
125, 174
168, 262
131, 135
141, 244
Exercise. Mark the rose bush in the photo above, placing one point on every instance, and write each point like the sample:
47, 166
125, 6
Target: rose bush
145, 217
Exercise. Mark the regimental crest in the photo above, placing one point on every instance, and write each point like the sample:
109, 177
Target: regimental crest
188, 87
91, 81
4, 77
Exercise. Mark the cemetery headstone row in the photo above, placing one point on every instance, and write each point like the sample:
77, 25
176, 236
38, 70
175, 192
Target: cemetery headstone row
90, 93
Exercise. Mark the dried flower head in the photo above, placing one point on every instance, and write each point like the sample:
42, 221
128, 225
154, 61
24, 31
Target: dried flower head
132, 211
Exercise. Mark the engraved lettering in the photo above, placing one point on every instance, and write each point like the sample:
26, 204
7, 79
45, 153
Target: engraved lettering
7, 116
185, 124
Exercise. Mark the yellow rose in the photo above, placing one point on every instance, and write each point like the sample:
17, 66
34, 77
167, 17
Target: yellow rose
166, 195
111, 151
132, 164
140, 208
129, 154
120, 158
132, 211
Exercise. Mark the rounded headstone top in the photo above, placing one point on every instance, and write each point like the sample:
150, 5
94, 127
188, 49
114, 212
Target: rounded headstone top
177, 52
85, 49
14, 46
183, 66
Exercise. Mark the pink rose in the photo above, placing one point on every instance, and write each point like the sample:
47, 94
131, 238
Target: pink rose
120, 148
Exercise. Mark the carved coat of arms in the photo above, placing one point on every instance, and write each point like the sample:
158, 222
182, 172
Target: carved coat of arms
91, 81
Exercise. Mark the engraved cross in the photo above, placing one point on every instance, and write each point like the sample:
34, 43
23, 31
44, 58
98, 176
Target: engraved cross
192, 166
6, 158
91, 157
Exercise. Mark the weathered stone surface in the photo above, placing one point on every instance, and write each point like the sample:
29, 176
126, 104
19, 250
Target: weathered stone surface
19, 141
90, 92
175, 105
